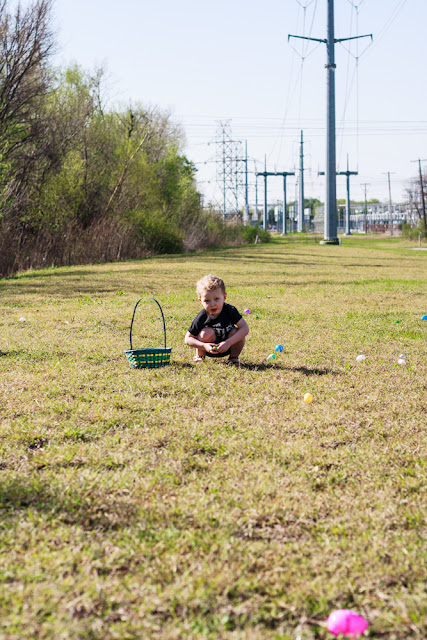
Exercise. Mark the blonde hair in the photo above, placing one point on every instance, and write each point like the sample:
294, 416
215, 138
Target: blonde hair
209, 283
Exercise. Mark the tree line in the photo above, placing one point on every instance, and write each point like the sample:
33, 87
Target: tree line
79, 182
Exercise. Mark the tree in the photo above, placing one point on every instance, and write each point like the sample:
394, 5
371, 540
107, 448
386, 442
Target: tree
79, 183
26, 44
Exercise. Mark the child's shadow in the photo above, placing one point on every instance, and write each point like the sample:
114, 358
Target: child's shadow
252, 366
262, 366
183, 365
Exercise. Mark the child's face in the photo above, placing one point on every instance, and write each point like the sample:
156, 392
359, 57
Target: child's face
213, 301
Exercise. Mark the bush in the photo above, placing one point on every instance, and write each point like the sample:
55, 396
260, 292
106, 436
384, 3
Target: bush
250, 234
155, 233
412, 233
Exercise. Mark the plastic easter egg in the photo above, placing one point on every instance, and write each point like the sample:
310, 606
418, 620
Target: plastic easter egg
360, 358
22, 320
346, 623
402, 355
308, 398
401, 361
424, 317
278, 348
272, 356
247, 311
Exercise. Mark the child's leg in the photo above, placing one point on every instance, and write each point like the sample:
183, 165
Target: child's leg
206, 335
236, 348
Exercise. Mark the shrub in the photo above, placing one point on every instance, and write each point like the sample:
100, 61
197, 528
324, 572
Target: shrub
412, 233
250, 234
156, 233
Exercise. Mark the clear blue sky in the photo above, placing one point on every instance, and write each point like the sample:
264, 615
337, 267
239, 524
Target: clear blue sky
208, 62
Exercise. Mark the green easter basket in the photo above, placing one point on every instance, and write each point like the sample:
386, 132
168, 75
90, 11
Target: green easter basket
148, 358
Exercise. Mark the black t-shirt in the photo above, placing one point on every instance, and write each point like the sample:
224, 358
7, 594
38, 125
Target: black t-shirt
222, 324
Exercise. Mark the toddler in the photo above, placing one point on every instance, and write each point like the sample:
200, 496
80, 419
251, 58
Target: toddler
219, 329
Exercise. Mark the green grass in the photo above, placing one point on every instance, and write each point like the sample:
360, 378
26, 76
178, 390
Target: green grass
211, 502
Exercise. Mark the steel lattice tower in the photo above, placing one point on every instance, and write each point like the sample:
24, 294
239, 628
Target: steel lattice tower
229, 174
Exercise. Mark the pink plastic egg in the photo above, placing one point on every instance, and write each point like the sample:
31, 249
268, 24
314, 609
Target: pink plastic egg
347, 623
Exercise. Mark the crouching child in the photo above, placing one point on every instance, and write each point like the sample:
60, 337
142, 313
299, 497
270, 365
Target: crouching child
219, 329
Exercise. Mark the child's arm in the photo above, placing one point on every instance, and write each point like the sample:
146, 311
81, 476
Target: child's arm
240, 334
197, 344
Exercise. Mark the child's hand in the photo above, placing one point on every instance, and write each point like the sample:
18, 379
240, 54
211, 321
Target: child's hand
211, 347
222, 347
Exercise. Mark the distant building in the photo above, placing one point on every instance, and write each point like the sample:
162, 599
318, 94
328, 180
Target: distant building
376, 219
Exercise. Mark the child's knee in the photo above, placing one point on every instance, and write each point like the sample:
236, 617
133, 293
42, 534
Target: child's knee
206, 335
232, 332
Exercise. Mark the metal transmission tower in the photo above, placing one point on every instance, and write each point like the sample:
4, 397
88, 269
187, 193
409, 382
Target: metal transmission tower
331, 223
242, 185
266, 173
301, 188
347, 173
229, 175
246, 209
256, 195
239, 173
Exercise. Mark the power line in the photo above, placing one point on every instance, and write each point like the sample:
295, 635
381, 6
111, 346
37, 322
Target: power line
290, 93
395, 12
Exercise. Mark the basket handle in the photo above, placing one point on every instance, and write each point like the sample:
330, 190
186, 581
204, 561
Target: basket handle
133, 316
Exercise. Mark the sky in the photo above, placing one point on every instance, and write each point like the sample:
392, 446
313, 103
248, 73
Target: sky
231, 61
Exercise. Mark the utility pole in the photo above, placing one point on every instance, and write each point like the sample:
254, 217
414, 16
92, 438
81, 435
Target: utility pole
246, 211
389, 204
331, 223
265, 225
330, 231
256, 195
301, 187
366, 210
422, 190
224, 164
285, 174
348, 207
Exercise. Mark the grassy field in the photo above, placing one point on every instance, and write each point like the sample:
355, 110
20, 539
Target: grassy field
210, 502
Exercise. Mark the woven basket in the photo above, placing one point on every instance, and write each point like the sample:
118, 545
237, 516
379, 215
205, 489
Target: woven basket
148, 358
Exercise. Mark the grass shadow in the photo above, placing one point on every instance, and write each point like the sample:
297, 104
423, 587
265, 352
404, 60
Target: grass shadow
57, 272
103, 513
182, 365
